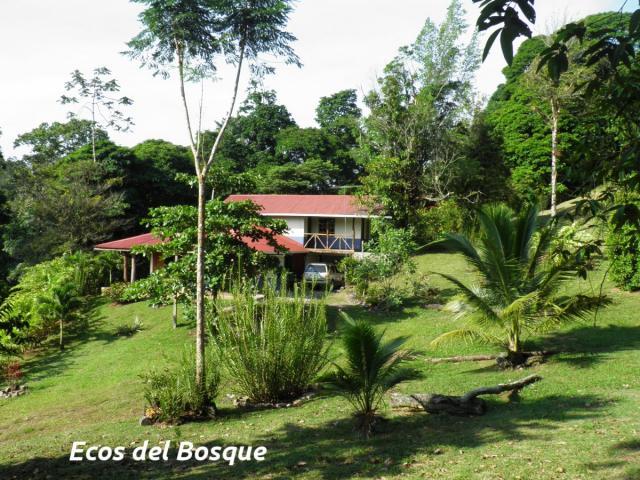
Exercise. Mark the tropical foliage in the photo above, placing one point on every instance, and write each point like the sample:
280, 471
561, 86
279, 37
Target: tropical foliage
520, 283
273, 344
371, 368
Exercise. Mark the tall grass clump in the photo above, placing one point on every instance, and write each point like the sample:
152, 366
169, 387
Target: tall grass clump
172, 394
273, 343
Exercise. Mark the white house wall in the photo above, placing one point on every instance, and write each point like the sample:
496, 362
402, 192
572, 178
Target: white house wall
296, 227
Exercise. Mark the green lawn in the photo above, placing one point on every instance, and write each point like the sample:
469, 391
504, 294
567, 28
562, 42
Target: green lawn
582, 421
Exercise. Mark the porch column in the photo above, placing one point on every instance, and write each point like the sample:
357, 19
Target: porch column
152, 263
353, 234
125, 269
133, 268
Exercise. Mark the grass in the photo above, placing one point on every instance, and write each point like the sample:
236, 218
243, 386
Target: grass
580, 422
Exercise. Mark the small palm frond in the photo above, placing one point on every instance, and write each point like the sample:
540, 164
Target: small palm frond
579, 307
469, 335
520, 305
456, 243
475, 301
526, 226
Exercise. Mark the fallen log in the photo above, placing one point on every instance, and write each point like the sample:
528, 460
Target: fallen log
467, 404
464, 358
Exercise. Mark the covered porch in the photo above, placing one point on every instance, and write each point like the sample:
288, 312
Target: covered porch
338, 235
134, 266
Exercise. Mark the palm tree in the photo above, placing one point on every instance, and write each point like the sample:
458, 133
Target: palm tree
372, 368
61, 304
520, 281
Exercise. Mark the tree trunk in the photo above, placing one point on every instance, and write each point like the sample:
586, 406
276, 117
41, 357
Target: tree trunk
174, 315
200, 310
93, 126
61, 343
555, 111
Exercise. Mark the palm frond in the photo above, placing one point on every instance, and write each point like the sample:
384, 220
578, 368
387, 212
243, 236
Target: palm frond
475, 300
469, 335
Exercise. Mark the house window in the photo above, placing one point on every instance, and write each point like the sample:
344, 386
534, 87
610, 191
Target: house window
327, 225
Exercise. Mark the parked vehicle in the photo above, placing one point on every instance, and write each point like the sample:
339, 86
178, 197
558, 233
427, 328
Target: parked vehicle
323, 274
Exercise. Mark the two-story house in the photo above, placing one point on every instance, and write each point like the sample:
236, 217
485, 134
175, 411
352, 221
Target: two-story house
320, 228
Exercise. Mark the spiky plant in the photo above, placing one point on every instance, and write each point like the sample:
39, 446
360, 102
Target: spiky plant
371, 368
520, 283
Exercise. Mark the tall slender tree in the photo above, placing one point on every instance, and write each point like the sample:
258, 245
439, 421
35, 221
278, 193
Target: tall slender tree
195, 37
97, 96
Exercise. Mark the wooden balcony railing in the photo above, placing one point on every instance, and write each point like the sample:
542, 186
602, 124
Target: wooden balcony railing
332, 242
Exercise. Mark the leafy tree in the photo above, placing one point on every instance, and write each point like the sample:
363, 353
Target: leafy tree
156, 172
416, 129
96, 95
296, 145
251, 136
50, 142
335, 110
61, 304
340, 116
195, 35
522, 281
312, 176
147, 175
227, 226
530, 110
372, 368
61, 208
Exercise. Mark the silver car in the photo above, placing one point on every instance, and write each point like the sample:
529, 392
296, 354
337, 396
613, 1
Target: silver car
323, 274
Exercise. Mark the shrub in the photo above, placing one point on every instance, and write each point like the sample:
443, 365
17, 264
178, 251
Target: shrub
624, 252
273, 346
115, 290
371, 369
13, 372
446, 216
422, 291
385, 296
388, 255
129, 330
172, 395
83, 271
135, 292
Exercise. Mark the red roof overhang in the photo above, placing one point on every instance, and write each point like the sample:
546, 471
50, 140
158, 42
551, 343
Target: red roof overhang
260, 245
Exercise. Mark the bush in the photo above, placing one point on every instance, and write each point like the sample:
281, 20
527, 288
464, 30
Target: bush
385, 296
86, 272
446, 216
273, 347
115, 291
12, 372
421, 290
172, 394
624, 253
129, 330
135, 292
387, 256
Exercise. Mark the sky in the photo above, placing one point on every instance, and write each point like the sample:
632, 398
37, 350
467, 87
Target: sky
341, 43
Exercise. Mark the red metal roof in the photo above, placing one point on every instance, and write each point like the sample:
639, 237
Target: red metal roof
329, 205
261, 245
128, 243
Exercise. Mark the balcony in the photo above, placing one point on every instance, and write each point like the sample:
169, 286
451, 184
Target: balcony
332, 243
